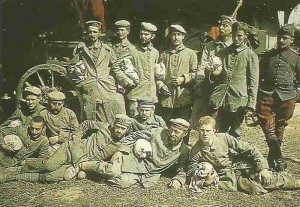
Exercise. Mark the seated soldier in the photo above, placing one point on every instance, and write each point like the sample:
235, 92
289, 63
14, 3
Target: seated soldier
60, 121
146, 115
138, 153
219, 148
20, 144
168, 151
27, 110
100, 141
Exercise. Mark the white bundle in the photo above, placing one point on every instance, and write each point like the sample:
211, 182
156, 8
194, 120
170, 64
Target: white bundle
129, 70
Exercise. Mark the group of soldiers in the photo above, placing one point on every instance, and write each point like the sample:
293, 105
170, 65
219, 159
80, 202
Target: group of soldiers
202, 106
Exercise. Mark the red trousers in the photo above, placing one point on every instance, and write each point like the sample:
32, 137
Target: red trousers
273, 114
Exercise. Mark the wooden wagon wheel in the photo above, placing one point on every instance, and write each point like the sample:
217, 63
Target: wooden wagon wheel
49, 77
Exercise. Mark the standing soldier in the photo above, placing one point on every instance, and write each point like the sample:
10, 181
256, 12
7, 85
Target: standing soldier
100, 98
123, 47
60, 121
144, 58
279, 84
208, 72
27, 111
236, 87
181, 66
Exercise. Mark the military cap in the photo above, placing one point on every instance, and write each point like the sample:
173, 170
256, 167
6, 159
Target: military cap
226, 20
32, 90
122, 119
287, 29
13, 141
93, 23
122, 23
142, 144
148, 27
177, 27
145, 103
180, 123
56, 96
240, 26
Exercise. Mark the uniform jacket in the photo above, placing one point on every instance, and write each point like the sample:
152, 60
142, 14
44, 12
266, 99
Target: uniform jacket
60, 125
181, 62
100, 82
280, 74
144, 59
219, 154
237, 84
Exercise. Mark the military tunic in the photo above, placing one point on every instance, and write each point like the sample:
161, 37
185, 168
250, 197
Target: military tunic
206, 83
61, 124
236, 87
143, 59
99, 91
181, 62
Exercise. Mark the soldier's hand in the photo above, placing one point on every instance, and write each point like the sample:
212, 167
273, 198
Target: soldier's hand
265, 176
15, 123
175, 184
177, 81
53, 140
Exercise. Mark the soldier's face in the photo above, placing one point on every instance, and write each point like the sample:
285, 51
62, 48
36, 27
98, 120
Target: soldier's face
176, 38
35, 130
146, 37
284, 41
93, 33
122, 32
120, 131
32, 101
225, 30
206, 133
145, 112
239, 38
56, 106
176, 135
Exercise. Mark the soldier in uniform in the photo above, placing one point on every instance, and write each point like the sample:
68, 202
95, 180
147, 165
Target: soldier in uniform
206, 71
144, 58
29, 144
123, 47
181, 66
28, 110
100, 98
60, 121
236, 86
146, 115
93, 141
219, 149
278, 89
168, 153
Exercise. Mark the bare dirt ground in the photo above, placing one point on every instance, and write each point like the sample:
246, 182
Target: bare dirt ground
90, 193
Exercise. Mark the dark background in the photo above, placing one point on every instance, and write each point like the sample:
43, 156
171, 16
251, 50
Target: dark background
23, 20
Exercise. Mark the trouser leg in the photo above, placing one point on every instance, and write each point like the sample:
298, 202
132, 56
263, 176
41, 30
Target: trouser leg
284, 111
200, 108
228, 180
236, 119
149, 180
283, 181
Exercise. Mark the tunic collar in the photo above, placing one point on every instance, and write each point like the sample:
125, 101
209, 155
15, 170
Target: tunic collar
178, 49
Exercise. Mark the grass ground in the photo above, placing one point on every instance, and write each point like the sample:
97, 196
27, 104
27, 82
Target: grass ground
90, 193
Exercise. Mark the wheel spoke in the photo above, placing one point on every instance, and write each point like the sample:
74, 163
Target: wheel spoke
40, 79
